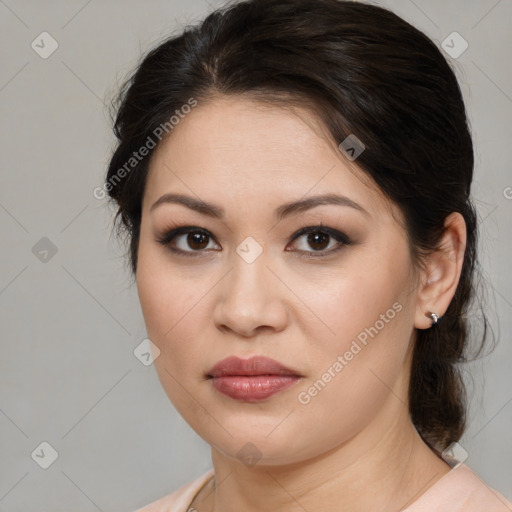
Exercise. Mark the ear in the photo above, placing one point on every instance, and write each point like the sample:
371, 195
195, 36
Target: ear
440, 277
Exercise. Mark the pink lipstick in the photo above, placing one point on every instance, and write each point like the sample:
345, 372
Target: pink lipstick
253, 379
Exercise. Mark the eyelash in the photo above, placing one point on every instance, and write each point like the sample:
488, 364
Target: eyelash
340, 237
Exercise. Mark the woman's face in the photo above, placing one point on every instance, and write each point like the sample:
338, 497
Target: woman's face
336, 305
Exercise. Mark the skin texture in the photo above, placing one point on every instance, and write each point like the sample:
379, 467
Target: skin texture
352, 446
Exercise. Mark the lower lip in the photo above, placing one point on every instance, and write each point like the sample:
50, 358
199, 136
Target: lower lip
253, 388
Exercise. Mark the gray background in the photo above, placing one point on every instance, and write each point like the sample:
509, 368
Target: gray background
70, 324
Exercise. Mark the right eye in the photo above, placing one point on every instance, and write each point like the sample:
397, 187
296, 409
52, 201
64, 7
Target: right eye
187, 240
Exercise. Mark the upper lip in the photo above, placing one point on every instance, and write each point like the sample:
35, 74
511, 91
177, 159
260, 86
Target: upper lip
256, 365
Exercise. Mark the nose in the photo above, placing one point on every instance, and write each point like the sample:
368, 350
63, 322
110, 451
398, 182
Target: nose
249, 299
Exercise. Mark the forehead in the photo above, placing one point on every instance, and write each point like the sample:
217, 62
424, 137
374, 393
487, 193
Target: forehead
236, 148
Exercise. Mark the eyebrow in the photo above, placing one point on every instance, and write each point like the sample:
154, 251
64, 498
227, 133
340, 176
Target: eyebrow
280, 213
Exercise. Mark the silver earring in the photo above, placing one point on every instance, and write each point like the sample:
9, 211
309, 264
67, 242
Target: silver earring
433, 316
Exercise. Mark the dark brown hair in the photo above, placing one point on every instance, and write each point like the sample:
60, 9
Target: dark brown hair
364, 71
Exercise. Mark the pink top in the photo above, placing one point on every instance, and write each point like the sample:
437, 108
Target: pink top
460, 490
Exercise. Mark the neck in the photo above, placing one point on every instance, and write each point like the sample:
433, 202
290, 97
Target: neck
385, 467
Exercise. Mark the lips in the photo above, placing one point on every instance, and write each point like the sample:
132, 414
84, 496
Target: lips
251, 380
256, 365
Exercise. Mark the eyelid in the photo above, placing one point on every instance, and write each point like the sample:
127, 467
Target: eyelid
323, 229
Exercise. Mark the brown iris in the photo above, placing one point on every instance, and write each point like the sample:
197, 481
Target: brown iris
197, 240
315, 239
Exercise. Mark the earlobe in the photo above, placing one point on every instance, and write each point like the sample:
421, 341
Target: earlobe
441, 274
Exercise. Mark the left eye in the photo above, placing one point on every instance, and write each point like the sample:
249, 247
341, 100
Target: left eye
321, 239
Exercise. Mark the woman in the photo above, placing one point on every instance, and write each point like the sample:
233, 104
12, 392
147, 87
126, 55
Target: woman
294, 180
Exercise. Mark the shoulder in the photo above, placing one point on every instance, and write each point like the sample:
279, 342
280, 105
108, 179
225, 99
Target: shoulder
178, 500
460, 490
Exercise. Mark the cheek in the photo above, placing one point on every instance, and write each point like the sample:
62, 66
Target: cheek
354, 375
164, 296
176, 309
361, 299
169, 308
171, 317
360, 354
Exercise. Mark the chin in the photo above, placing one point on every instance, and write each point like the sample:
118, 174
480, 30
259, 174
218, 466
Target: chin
256, 448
